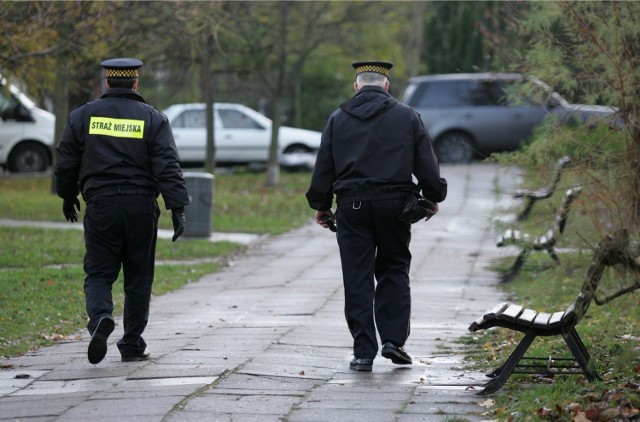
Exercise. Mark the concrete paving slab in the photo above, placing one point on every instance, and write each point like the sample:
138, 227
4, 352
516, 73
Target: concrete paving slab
265, 337
343, 415
248, 404
153, 408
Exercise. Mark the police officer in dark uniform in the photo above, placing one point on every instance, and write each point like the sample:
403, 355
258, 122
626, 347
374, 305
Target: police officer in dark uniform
119, 153
371, 146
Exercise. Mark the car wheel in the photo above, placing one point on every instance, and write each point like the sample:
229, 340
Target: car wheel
454, 147
28, 157
297, 157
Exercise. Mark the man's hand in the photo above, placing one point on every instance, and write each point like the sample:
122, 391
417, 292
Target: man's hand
178, 219
69, 209
326, 219
432, 210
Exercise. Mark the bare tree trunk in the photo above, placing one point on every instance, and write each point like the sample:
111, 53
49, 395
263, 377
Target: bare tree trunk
634, 162
61, 109
414, 41
207, 91
273, 165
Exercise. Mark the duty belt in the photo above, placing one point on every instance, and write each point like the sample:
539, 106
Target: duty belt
120, 190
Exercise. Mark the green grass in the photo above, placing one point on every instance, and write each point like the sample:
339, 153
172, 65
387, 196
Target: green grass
241, 202
42, 305
41, 276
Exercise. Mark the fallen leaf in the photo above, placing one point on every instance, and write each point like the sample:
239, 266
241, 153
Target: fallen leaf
487, 403
574, 407
592, 414
630, 412
629, 337
543, 411
581, 417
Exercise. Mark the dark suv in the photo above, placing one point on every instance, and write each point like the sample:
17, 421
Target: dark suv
474, 114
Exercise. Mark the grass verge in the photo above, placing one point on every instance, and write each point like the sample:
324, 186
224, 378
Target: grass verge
611, 333
241, 202
41, 275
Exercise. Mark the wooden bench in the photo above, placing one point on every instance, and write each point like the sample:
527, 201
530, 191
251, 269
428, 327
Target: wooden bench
546, 242
531, 196
611, 251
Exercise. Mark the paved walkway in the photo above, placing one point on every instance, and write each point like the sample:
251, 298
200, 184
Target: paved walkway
265, 339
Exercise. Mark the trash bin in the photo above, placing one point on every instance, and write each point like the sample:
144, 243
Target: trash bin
198, 213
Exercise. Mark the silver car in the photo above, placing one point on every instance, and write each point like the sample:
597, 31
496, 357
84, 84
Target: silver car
242, 136
471, 115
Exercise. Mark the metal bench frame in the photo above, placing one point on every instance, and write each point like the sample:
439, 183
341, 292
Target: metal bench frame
531, 196
546, 242
611, 251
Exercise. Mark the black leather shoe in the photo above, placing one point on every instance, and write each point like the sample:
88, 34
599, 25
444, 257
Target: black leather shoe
135, 357
396, 354
97, 349
362, 365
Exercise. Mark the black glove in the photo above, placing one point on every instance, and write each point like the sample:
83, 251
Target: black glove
178, 219
69, 209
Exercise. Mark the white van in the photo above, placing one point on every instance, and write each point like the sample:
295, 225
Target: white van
26, 132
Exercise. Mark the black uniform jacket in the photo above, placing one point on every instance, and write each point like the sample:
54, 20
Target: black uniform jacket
370, 148
119, 141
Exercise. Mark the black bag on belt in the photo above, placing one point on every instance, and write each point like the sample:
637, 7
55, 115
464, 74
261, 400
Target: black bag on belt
415, 208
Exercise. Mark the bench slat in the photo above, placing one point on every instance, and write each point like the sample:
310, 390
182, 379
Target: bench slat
527, 316
542, 320
556, 319
512, 313
490, 314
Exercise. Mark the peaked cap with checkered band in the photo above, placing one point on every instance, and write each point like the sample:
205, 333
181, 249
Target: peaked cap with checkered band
373, 66
121, 68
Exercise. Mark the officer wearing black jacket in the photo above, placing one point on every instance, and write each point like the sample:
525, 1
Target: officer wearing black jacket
371, 146
119, 153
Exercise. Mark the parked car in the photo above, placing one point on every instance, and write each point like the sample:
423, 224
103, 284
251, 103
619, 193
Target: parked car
474, 114
26, 131
242, 136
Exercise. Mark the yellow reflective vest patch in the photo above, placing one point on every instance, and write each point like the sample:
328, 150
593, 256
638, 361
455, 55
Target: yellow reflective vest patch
119, 128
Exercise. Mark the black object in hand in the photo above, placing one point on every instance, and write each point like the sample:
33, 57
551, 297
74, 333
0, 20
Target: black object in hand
329, 221
416, 208
178, 219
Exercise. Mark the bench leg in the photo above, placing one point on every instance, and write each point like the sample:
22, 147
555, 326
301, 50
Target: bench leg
579, 351
552, 253
503, 373
517, 265
527, 209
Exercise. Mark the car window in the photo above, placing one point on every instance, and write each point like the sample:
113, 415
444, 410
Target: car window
436, 94
235, 119
190, 119
482, 93
8, 105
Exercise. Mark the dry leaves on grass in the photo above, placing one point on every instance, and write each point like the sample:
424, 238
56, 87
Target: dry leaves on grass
61, 337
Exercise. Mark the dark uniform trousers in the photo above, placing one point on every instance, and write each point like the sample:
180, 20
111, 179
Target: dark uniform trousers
121, 229
373, 242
